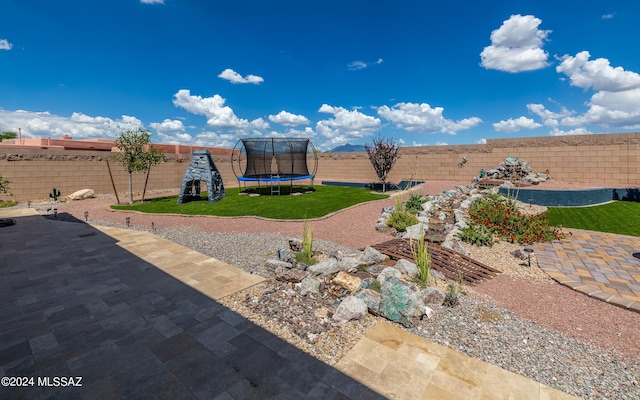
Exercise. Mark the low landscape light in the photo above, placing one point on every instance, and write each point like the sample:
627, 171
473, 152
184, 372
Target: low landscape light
86, 216
529, 251
127, 220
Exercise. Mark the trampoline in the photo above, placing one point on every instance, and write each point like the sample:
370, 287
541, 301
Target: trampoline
273, 161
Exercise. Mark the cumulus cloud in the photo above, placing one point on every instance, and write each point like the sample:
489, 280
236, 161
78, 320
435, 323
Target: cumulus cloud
597, 74
5, 45
78, 125
610, 110
213, 139
516, 46
608, 16
345, 125
234, 77
422, 118
514, 125
218, 115
578, 131
288, 119
152, 1
171, 132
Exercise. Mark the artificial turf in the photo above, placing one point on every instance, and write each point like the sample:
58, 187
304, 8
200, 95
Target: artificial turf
621, 217
317, 201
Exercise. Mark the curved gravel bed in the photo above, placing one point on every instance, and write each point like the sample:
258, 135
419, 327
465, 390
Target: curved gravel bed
533, 327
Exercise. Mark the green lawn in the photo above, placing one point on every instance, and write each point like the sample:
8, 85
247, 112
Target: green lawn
322, 201
621, 217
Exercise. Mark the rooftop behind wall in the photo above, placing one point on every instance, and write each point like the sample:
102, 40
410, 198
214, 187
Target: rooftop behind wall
602, 160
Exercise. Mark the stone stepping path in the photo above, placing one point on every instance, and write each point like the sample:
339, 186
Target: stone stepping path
600, 265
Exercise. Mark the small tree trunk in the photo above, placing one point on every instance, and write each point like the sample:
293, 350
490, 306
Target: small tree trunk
130, 188
144, 191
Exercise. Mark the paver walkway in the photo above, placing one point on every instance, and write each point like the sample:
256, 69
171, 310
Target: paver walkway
135, 316
601, 265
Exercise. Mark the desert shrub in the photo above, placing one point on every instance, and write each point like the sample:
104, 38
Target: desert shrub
452, 294
476, 234
402, 219
414, 203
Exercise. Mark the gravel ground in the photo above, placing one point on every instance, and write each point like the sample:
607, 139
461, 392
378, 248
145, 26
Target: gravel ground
521, 321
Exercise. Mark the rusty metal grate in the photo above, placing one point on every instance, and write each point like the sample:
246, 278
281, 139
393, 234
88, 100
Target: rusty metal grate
450, 263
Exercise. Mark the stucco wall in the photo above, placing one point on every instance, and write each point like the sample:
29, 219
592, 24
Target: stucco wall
602, 160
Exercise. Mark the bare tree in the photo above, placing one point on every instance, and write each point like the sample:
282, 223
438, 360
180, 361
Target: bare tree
383, 154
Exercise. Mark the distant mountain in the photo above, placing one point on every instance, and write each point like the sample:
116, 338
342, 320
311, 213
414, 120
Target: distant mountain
349, 148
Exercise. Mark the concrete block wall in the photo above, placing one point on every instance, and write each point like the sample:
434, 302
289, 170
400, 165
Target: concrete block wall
606, 160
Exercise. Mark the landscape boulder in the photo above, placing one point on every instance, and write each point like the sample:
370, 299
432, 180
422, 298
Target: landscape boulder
401, 301
347, 281
371, 256
290, 274
308, 286
81, 194
327, 267
349, 309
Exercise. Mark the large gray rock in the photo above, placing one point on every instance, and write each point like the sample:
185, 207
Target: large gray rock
290, 274
350, 308
387, 272
407, 268
372, 299
273, 264
82, 194
308, 286
349, 264
327, 267
414, 231
376, 269
371, 256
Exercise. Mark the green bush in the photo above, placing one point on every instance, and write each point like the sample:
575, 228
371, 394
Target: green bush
400, 220
414, 203
498, 215
476, 234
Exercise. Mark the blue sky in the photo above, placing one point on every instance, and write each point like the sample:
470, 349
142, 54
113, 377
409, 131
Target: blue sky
201, 72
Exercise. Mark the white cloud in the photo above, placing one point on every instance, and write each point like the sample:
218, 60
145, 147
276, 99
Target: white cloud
356, 65
218, 115
288, 119
171, 132
578, 131
516, 46
345, 125
213, 139
610, 109
608, 16
422, 118
514, 125
168, 125
597, 74
78, 126
152, 1
481, 141
234, 77
5, 45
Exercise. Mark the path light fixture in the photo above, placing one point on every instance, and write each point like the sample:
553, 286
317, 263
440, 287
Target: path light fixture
530, 201
55, 213
153, 226
127, 220
28, 203
529, 251
86, 216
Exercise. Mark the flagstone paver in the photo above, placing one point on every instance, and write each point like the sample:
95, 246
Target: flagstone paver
136, 316
600, 265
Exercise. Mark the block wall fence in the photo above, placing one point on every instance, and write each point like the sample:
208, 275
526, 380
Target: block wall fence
605, 160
